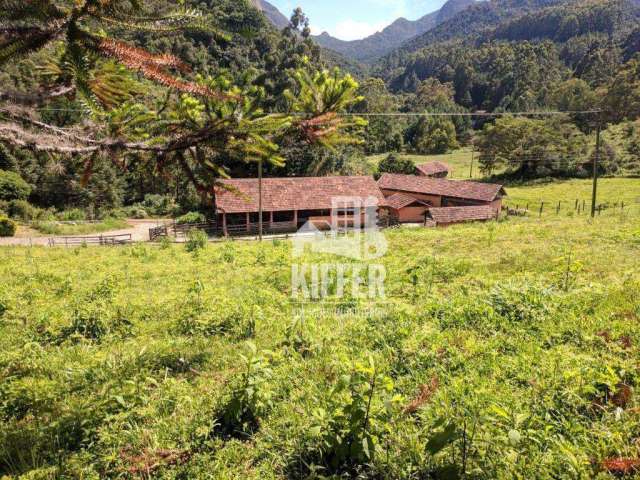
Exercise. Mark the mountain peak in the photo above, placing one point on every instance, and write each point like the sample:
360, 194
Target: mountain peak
369, 49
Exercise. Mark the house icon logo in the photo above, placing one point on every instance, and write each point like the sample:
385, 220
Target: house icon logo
351, 231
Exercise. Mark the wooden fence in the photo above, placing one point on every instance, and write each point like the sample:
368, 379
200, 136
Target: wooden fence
252, 229
104, 240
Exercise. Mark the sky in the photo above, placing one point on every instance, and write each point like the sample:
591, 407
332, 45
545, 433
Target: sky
355, 19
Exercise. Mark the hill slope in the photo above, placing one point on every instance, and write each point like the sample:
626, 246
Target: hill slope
274, 15
379, 44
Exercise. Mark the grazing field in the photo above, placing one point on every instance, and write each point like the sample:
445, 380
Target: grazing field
458, 160
611, 191
502, 350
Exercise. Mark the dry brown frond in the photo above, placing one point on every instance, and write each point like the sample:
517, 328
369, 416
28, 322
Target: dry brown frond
426, 392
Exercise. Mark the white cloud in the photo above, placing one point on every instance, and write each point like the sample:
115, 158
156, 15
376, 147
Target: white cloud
355, 30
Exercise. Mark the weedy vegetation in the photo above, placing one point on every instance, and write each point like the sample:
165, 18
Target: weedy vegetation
503, 350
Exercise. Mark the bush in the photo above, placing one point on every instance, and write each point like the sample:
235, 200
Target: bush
73, 215
394, 164
23, 210
7, 227
135, 212
159, 204
13, 187
191, 217
196, 240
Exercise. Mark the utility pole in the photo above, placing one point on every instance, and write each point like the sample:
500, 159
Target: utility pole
260, 200
596, 160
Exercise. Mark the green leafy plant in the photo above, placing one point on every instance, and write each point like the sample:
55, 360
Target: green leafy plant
196, 240
191, 217
249, 399
13, 187
7, 227
347, 432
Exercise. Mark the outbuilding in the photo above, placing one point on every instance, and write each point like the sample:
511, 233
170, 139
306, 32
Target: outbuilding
433, 170
442, 217
404, 208
440, 192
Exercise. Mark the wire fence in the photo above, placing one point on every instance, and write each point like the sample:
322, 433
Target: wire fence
578, 207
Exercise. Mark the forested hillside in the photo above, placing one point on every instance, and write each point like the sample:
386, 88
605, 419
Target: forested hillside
237, 48
375, 46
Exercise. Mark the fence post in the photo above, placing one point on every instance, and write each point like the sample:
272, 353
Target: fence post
576, 207
558, 209
541, 208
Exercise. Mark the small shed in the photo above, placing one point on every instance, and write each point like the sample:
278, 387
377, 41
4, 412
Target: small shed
442, 217
405, 208
433, 170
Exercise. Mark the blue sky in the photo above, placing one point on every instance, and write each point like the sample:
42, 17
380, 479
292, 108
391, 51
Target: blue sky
354, 19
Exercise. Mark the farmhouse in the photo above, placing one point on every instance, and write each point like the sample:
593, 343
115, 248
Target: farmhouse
289, 203
433, 170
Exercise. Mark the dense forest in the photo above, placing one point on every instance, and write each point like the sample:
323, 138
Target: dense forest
498, 57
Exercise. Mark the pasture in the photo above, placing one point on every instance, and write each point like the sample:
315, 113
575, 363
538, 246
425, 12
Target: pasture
500, 350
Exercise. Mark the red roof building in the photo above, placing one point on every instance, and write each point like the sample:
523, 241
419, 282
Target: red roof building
441, 192
405, 208
450, 215
433, 169
288, 203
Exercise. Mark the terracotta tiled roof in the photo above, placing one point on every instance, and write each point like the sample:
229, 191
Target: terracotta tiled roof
447, 215
484, 192
401, 200
432, 168
299, 193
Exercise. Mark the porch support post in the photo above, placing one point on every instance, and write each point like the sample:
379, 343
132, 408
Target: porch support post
271, 219
295, 219
248, 221
224, 225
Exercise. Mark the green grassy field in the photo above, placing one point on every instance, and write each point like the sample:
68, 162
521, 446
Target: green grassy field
458, 160
502, 350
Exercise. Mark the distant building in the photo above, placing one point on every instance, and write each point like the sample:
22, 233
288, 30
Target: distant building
433, 170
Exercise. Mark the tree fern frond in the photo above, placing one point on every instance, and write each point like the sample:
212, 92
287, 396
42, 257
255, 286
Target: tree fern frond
151, 66
136, 58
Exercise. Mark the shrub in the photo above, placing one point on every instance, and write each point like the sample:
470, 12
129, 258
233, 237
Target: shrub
159, 204
136, 212
394, 164
346, 434
7, 227
191, 217
73, 215
202, 316
23, 210
196, 240
249, 399
13, 187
